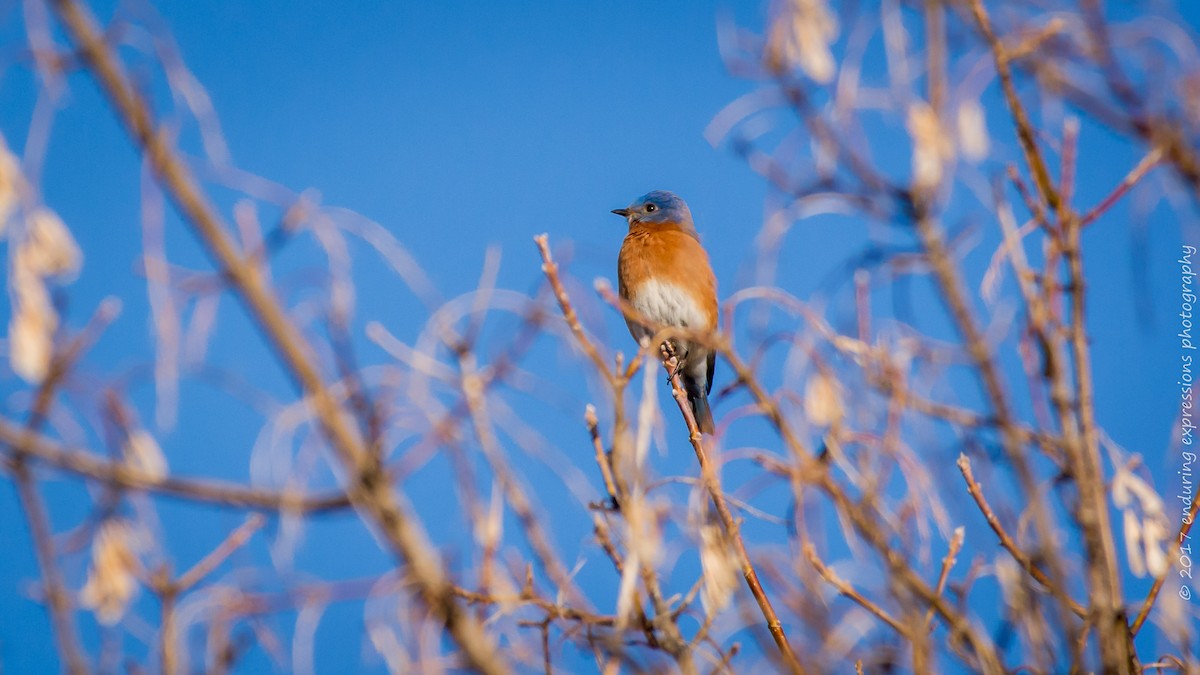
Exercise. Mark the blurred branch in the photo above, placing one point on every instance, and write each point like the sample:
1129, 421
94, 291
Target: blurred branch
1025, 133
368, 488
120, 474
57, 596
210, 562
664, 620
840, 418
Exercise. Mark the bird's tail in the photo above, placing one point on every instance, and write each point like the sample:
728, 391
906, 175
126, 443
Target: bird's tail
699, 402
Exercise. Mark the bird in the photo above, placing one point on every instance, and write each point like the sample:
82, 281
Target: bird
664, 274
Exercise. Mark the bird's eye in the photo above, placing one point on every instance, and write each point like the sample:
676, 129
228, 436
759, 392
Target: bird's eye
650, 208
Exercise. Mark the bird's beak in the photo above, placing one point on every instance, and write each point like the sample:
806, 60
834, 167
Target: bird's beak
624, 213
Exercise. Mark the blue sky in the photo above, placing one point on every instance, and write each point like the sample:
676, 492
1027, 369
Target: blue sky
459, 126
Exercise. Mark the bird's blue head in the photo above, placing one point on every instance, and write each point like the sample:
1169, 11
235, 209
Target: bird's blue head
658, 207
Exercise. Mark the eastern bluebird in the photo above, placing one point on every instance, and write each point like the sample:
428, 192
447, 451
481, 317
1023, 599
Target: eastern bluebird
664, 274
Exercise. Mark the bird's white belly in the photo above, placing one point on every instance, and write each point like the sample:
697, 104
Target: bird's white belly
667, 304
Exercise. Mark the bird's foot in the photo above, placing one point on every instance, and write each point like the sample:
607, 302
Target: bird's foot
680, 362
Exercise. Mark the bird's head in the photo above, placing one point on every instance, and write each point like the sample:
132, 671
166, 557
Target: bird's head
657, 207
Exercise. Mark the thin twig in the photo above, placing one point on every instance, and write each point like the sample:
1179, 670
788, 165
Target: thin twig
208, 563
1025, 133
843, 587
956, 543
1172, 554
712, 485
1151, 160
1026, 563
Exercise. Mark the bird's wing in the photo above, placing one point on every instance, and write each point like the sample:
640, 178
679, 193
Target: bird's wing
712, 364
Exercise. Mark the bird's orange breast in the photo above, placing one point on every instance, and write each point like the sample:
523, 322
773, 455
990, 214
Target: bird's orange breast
671, 258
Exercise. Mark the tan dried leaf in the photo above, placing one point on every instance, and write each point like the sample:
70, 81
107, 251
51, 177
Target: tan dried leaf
800, 35
1133, 543
1150, 501
490, 527
10, 177
143, 453
51, 250
111, 581
644, 531
823, 400
627, 590
1155, 536
972, 130
644, 538
1009, 574
31, 331
720, 568
932, 146
1145, 523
